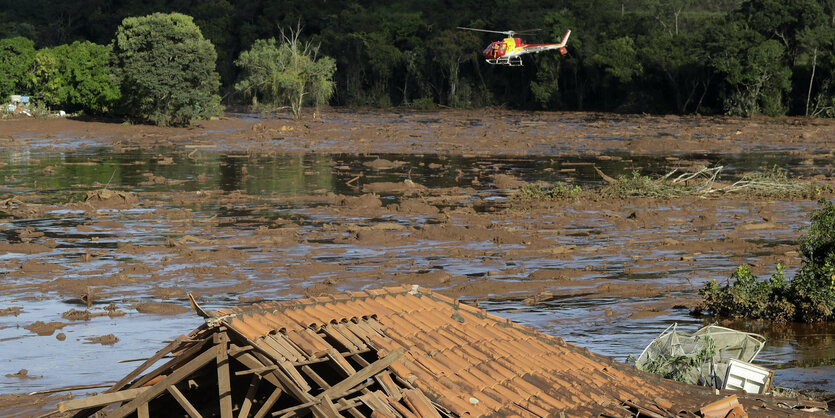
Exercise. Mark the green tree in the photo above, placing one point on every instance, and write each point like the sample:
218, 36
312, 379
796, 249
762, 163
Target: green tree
545, 87
16, 58
817, 43
165, 69
620, 58
754, 70
287, 74
453, 48
78, 78
42, 81
675, 66
216, 22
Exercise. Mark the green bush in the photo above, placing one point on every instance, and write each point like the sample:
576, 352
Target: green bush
75, 77
809, 297
16, 58
814, 286
425, 103
165, 69
289, 73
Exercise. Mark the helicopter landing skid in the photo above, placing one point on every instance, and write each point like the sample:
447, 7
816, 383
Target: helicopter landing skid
509, 61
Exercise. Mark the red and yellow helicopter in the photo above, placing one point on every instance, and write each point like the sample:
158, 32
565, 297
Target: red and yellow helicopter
509, 51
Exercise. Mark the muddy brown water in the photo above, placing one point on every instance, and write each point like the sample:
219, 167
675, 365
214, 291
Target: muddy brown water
236, 226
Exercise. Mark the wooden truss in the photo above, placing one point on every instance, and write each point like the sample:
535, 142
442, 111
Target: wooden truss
215, 371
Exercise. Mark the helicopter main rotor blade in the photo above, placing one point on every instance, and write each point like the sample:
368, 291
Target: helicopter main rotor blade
505, 32
527, 30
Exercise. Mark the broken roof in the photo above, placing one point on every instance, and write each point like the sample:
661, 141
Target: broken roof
401, 351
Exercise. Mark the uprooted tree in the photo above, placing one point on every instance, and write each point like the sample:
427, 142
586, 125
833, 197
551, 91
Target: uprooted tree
286, 74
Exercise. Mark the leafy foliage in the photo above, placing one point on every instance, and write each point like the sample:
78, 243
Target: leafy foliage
16, 58
808, 297
78, 78
678, 367
619, 57
741, 57
287, 74
165, 69
814, 286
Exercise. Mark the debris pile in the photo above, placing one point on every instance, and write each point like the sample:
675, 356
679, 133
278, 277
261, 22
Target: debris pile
391, 352
704, 358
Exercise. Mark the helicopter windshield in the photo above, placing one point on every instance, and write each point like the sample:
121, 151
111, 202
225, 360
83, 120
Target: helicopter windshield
494, 50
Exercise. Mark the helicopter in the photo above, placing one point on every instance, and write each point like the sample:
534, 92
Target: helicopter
509, 51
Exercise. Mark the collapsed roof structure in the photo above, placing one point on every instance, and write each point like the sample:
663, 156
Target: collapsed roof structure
395, 352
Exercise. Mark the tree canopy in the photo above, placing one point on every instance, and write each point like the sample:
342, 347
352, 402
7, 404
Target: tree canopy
165, 69
289, 73
740, 57
16, 58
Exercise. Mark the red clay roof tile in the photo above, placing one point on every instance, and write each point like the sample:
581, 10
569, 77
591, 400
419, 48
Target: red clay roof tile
456, 352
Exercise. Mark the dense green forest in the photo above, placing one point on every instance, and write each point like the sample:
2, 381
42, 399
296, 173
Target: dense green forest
737, 57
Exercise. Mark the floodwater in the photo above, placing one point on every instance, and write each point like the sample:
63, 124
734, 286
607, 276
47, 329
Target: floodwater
291, 190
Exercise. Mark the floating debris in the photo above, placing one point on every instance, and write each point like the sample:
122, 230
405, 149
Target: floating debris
703, 358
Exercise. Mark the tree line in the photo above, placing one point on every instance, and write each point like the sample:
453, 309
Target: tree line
750, 57
159, 68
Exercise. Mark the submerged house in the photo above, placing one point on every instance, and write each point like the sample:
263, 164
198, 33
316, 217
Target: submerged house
395, 352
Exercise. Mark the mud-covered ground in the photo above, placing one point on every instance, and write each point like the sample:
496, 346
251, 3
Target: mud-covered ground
104, 227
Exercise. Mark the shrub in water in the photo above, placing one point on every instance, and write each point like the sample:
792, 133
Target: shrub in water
809, 297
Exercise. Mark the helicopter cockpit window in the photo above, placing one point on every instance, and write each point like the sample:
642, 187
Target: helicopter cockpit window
494, 50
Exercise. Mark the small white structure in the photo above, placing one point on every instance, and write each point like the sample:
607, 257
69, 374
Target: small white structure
748, 377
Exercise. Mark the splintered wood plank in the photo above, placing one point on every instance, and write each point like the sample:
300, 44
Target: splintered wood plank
250, 395
316, 378
281, 380
183, 357
358, 358
290, 370
256, 371
355, 413
287, 382
148, 363
99, 400
224, 385
181, 399
337, 390
175, 377
268, 403
317, 408
340, 361
350, 407
326, 408
142, 411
